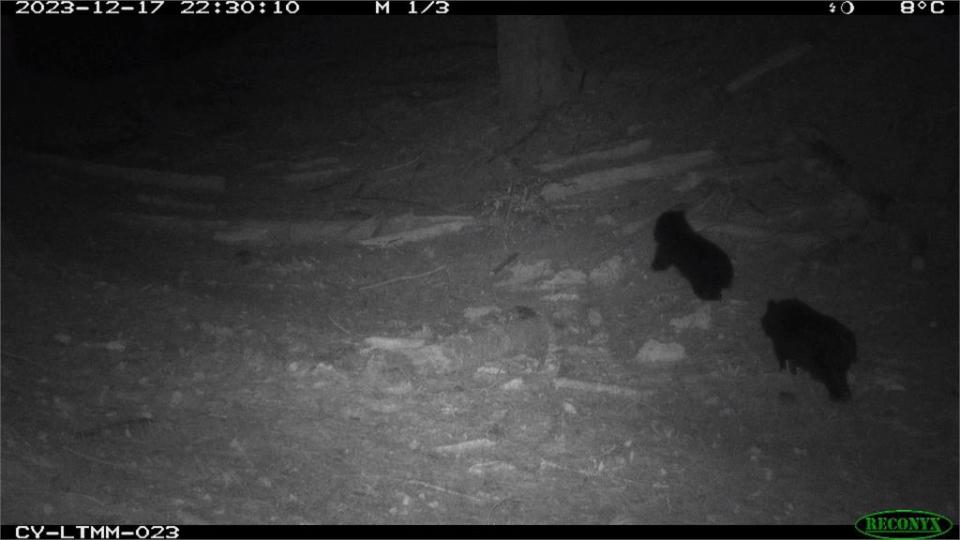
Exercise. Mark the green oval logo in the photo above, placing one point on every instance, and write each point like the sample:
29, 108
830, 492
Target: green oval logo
903, 524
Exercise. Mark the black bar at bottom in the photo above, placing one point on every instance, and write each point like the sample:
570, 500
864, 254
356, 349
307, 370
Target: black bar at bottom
500, 532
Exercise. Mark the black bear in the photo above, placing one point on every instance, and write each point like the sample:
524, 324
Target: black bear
705, 265
819, 344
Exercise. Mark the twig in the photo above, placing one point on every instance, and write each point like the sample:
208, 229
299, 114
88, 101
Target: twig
97, 460
91, 498
402, 278
506, 262
445, 490
404, 164
778, 60
335, 323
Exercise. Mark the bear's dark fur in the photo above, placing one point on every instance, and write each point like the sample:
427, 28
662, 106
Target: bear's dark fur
705, 265
819, 344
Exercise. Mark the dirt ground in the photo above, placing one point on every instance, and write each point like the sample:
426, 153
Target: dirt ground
151, 376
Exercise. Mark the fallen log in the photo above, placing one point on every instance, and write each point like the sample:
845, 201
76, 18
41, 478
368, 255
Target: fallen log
620, 152
609, 178
133, 175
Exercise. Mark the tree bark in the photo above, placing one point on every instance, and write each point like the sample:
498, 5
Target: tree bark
537, 66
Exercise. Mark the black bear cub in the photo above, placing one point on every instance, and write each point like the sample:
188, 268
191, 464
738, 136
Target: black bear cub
705, 265
819, 344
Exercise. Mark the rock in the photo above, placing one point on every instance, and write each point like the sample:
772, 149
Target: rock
609, 272
605, 219
564, 278
433, 359
522, 274
654, 351
513, 384
473, 314
698, 319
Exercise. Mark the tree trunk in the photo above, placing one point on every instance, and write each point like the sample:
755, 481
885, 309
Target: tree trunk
537, 66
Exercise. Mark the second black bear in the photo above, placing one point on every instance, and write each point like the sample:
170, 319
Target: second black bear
821, 345
705, 265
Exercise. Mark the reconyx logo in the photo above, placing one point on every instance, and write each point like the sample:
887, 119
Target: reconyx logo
913, 524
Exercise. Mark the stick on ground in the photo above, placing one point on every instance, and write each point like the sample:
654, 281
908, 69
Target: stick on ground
402, 278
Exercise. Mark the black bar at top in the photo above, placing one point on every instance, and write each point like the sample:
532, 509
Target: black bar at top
218, 8
498, 532
626, 7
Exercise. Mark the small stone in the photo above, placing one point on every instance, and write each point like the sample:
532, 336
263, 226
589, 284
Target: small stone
401, 389
176, 398
605, 219
564, 278
609, 272
690, 181
699, 319
513, 384
654, 351
473, 314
